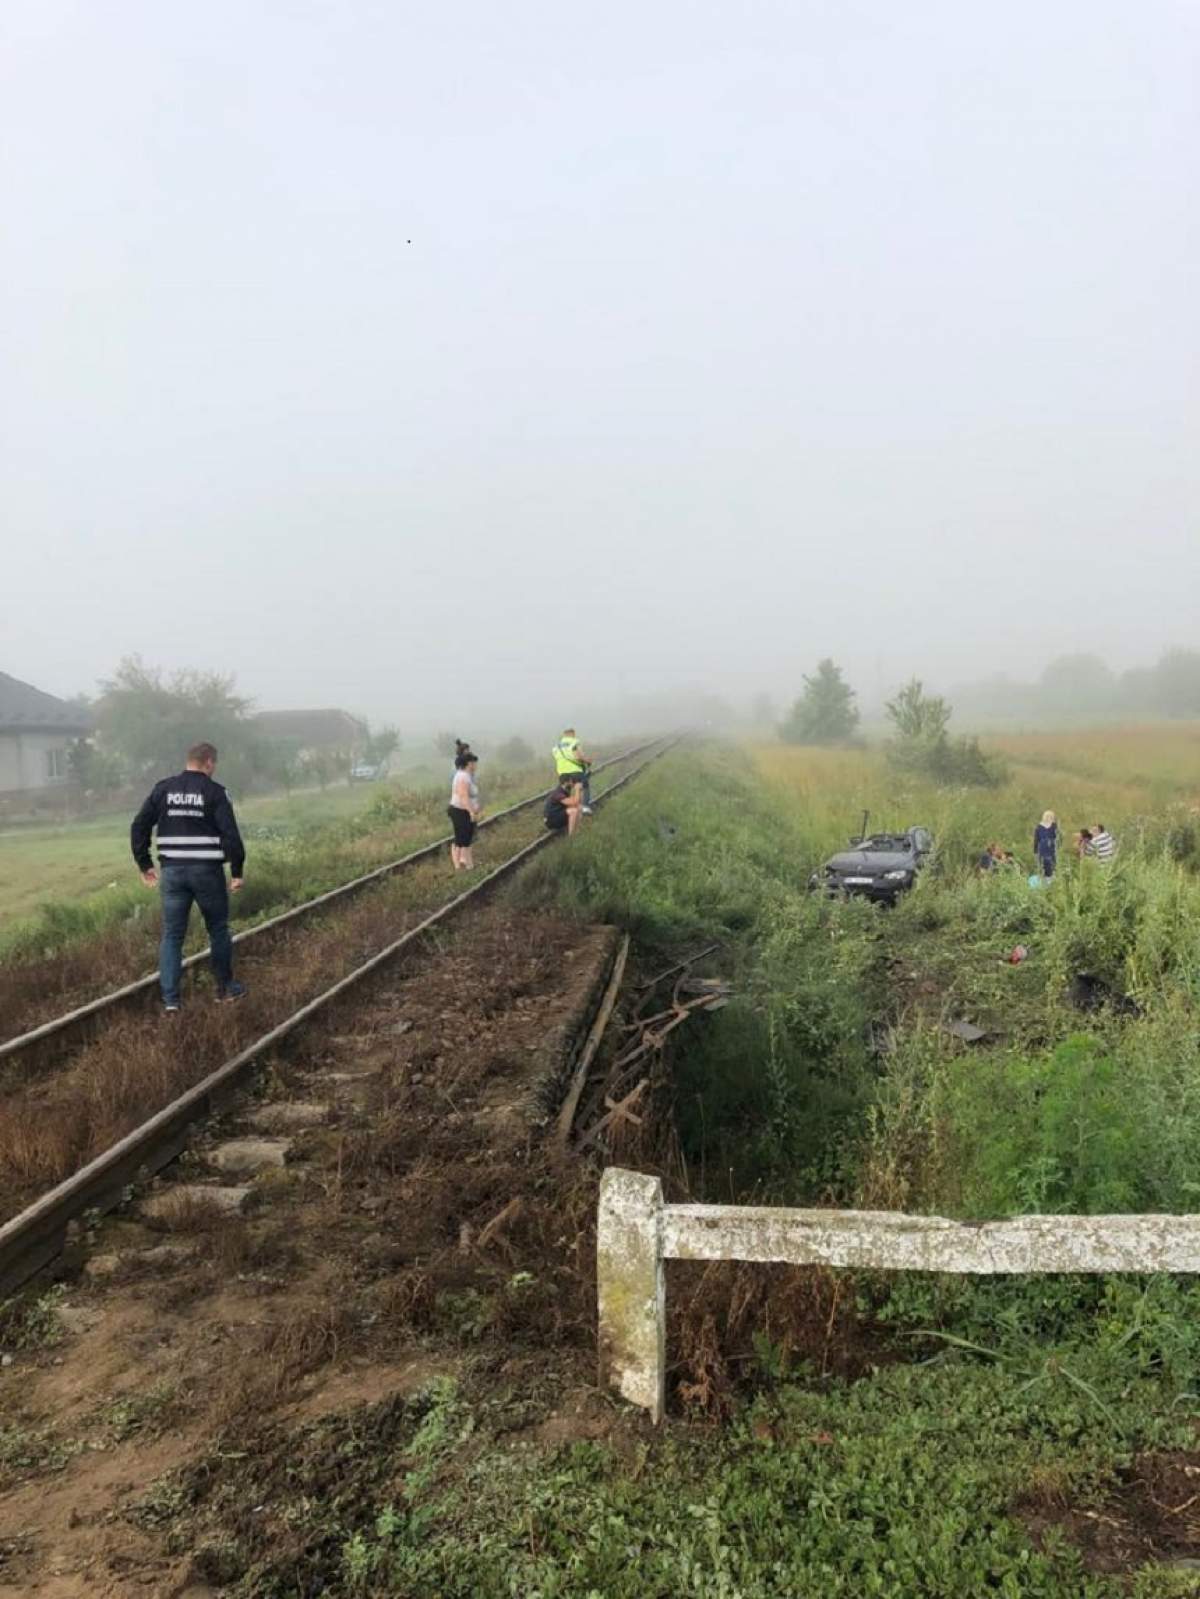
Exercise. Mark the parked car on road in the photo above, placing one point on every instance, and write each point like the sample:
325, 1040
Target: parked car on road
364, 772
880, 866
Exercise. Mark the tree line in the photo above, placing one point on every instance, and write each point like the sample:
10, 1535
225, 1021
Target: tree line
921, 743
144, 720
1085, 685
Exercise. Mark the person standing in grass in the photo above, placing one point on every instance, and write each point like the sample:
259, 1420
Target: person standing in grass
1045, 843
197, 833
464, 810
1102, 844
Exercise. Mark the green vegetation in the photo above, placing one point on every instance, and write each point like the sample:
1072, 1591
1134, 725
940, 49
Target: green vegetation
833, 1079
61, 886
914, 1481
825, 713
923, 747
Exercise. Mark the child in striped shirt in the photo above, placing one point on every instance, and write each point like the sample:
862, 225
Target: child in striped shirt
1102, 844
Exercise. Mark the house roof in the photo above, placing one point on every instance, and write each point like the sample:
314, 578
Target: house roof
328, 729
25, 709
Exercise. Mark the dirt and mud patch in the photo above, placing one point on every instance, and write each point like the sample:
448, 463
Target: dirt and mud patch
426, 1228
1152, 1515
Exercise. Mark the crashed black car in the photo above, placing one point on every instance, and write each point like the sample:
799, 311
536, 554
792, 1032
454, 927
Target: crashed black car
880, 866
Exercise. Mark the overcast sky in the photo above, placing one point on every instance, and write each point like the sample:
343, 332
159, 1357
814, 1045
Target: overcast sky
451, 362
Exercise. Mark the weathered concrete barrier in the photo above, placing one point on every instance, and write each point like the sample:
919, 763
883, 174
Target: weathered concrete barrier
636, 1233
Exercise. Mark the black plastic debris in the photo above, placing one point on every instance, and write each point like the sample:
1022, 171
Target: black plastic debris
1087, 992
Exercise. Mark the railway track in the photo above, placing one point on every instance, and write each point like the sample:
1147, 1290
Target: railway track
38, 1233
83, 1018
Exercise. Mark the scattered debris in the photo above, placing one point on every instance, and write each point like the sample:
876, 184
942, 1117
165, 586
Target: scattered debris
566, 1115
499, 1221
605, 1102
1087, 992
618, 1114
967, 1031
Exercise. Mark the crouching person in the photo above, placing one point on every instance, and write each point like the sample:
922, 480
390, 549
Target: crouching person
196, 834
564, 806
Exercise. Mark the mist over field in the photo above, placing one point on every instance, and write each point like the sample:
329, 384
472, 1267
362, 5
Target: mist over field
494, 367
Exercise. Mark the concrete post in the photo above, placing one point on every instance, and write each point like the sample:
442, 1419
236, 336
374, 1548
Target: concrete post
629, 1274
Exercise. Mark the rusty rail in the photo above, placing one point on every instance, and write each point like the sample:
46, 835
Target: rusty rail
38, 1233
82, 1014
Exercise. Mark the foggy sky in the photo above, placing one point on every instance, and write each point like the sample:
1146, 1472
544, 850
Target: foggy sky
728, 336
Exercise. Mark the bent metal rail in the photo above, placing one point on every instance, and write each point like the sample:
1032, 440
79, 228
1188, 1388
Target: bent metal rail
83, 1013
38, 1233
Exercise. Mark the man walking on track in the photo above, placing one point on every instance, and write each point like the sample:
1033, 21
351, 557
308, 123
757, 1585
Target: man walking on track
570, 761
197, 834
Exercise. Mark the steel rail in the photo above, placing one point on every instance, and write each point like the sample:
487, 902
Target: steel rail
38, 1233
81, 1013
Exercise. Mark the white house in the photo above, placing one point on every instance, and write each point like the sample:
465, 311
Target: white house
35, 732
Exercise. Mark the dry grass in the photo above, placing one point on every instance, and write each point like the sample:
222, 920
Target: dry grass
50, 1127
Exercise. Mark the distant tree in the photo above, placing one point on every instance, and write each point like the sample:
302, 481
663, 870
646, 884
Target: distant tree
825, 712
281, 764
444, 744
1176, 683
1077, 683
917, 715
923, 746
324, 766
94, 771
1136, 689
380, 745
150, 721
762, 711
516, 752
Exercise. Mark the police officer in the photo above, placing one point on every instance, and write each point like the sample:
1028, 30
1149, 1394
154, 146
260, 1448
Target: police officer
570, 761
197, 833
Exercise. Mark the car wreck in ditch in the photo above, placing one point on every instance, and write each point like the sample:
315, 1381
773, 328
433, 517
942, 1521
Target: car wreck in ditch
877, 866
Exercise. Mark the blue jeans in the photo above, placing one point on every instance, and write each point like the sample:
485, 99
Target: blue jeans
183, 882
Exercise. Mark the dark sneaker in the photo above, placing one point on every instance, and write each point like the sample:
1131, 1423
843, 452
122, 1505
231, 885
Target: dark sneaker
170, 1006
232, 990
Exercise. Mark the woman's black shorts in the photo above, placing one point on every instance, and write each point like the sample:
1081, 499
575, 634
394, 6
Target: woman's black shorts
464, 825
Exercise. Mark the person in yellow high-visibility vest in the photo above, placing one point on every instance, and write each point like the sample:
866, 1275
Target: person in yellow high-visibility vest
570, 761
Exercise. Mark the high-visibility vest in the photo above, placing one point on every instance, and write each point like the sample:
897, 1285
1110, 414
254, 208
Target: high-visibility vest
566, 756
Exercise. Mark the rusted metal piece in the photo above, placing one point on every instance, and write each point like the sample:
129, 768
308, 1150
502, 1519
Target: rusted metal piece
566, 1115
618, 1114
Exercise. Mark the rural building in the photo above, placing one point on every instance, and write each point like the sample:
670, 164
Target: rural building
35, 732
314, 732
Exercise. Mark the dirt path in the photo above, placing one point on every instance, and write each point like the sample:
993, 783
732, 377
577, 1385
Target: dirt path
421, 1199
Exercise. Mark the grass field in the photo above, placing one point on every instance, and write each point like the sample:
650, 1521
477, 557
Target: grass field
41, 864
63, 886
995, 1435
